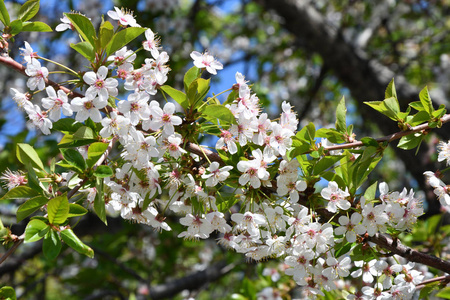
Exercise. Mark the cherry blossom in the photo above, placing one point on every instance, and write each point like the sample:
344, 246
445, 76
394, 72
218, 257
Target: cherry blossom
216, 174
125, 18
206, 61
100, 85
37, 74
55, 103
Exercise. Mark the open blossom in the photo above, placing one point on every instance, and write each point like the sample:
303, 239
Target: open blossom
207, 61
254, 170
125, 18
37, 75
173, 145
21, 99
39, 118
27, 52
350, 227
440, 188
87, 108
226, 138
336, 197
444, 152
164, 118
122, 56
13, 179
56, 102
152, 43
197, 227
217, 175
114, 125
100, 85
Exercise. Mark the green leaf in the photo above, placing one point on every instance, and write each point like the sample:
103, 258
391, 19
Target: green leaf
74, 158
176, 95
4, 15
28, 10
99, 201
192, 74
95, 151
390, 90
30, 207
84, 133
86, 49
83, 26
20, 192
392, 105
69, 237
16, 26
369, 141
425, 99
341, 112
381, 107
215, 111
426, 291
76, 210
325, 163
35, 230
122, 38
371, 191
410, 141
7, 292
103, 171
58, 209
52, 245
106, 34
33, 180
419, 118
67, 125
36, 26
26, 154
444, 293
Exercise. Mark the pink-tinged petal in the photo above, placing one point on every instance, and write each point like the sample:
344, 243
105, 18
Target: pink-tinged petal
67, 111
211, 70
90, 78
217, 65
55, 114
62, 27
99, 103
243, 179
113, 15
103, 95
199, 64
62, 96
91, 92
255, 182
82, 115
47, 103
111, 83
176, 120
232, 148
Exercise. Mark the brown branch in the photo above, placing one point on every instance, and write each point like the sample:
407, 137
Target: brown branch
396, 247
17, 242
444, 280
391, 137
12, 64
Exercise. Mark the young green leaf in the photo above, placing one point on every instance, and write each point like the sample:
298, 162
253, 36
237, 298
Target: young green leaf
76, 210
390, 90
7, 292
20, 192
103, 172
74, 158
176, 95
371, 191
122, 38
341, 112
28, 10
58, 209
86, 49
69, 237
410, 141
52, 245
95, 151
36, 26
4, 15
106, 34
215, 111
192, 74
84, 133
83, 26
425, 99
26, 154
30, 207
99, 201
325, 163
35, 230
16, 26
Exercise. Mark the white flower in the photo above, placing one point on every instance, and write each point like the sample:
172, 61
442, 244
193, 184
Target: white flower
114, 125
122, 56
38, 118
350, 227
165, 117
66, 24
374, 218
280, 139
100, 85
217, 175
152, 43
87, 108
248, 221
440, 188
135, 108
56, 102
444, 152
197, 227
218, 222
336, 197
27, 52
254, 170
21, 99
206, 61
37, 75
125, 18
173, 145
226, 138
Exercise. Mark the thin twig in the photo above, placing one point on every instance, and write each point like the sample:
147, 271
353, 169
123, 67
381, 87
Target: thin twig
11, 250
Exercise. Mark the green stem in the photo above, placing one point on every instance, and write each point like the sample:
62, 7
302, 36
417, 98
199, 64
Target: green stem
58, 64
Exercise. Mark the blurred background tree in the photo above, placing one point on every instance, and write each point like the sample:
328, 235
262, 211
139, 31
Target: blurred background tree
309, 53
